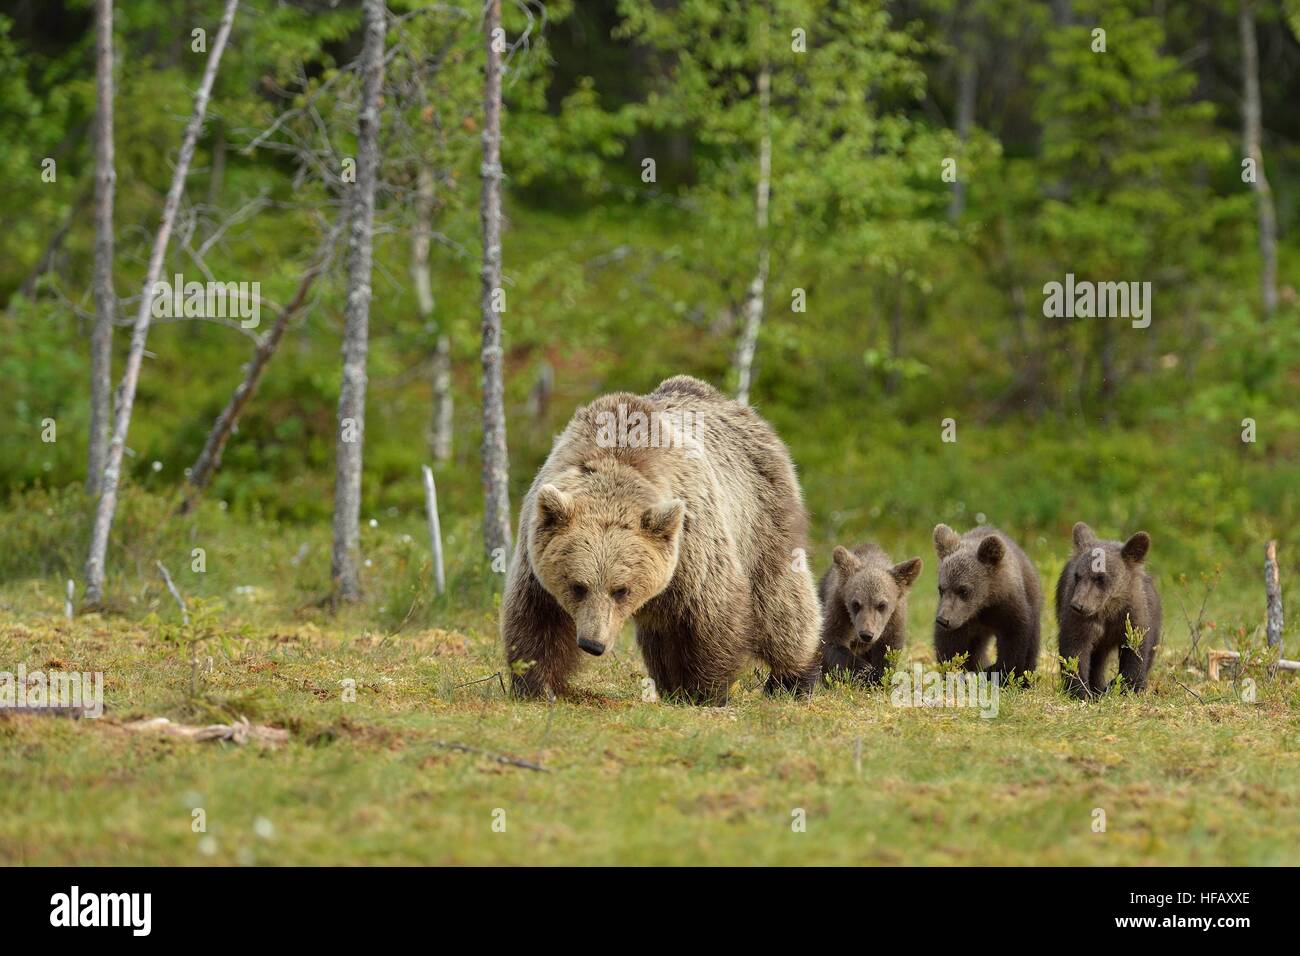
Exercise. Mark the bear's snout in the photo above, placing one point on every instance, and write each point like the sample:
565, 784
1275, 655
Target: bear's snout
866, 635
595, 648
942, 622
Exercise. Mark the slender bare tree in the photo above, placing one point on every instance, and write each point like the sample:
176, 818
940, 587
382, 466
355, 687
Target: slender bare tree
101, 339
754, 303
107, 505
496, 464
421, 240
356, 327
967, 74
1252, 145
209, 459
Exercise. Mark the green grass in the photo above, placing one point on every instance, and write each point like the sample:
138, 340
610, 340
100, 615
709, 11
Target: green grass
1182, 780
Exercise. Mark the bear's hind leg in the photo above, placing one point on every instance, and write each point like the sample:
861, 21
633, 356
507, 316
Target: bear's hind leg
787, 631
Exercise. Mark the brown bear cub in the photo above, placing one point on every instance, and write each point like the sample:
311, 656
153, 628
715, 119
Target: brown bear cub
679, 510
988, 591
1103, 585
864, 611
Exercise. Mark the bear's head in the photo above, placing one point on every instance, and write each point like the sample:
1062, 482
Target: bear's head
967, 571
872, 592
602, 553
1101, 571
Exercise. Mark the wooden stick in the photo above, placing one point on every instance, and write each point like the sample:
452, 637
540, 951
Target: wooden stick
171, 586
435, 529
1273, 593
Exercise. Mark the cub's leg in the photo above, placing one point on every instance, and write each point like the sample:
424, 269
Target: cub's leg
536, 629
971, 638
1097, 671
1076, 640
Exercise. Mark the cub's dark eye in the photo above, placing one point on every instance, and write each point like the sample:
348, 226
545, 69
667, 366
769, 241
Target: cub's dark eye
881, 607
579, 591
963, 593
618, 594
856, 606
1098, 579
1078, 575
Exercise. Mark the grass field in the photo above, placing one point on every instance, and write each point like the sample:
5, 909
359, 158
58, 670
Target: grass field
1191, 774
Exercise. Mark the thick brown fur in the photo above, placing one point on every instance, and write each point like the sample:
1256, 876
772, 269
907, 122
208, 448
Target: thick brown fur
864, 611
988, 592
701, 546
1104, 584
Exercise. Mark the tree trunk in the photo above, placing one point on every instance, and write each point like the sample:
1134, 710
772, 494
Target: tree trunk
966, 80
101, 338
758, 286
496, 465
1273, 596
440, 422
1252, 135
356, 328
442, 400
140, 329
209, 460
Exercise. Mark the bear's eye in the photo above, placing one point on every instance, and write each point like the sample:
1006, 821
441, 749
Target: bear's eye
618, 593
856, 606
1098, 579
579, 591
963, 593
881, 606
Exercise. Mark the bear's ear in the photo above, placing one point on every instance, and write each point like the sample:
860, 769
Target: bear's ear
845, 560
945, 540
991, 550
664, 520
554, 508
1135, 548
1084, 538
907, 572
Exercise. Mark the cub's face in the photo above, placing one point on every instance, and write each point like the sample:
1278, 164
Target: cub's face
1099, 571
602, 560
966, 571
871, 594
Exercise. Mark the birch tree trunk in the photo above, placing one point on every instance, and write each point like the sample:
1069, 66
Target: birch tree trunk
966, 79
356, 329
496, 463
440, 422
209, 459
1252, 135
758, 286
140, 329
101, 338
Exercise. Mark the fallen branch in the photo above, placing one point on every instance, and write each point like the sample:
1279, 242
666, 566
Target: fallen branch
499, 758
239, 732
1217, 658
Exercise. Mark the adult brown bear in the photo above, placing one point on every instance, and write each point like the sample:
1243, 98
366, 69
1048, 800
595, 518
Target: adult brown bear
681, 511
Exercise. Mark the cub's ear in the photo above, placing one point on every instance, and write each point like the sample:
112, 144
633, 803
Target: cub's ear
664, 520
1084, 538
945, 540
1135, 548
845, 560
991, 550
554, 508
907, 572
